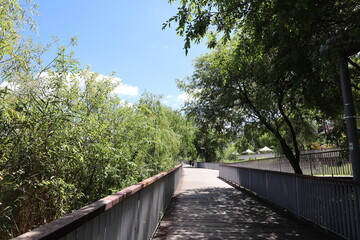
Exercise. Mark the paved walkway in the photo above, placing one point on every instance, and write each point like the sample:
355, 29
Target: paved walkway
205, 207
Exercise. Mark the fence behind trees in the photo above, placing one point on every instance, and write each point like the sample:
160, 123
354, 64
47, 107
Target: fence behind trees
326, 163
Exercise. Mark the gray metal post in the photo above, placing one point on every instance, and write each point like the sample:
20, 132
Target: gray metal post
350, 118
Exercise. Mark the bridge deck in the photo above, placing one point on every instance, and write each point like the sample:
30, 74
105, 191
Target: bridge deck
205, 207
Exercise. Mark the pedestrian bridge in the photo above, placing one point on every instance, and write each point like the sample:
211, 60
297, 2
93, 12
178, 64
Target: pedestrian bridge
195, 203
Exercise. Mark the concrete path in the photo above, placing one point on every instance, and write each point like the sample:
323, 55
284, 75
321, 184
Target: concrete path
205, 207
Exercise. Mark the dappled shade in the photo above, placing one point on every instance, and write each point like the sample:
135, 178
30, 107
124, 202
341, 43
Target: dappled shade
222, 212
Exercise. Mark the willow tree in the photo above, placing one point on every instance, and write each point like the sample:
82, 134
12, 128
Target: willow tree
16, 50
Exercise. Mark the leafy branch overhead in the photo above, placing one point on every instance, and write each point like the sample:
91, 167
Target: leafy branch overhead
269, 66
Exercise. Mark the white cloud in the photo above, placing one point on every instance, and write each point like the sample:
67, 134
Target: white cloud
124, 89
121, 88
11, 86
126, 103
169, 96
183, 97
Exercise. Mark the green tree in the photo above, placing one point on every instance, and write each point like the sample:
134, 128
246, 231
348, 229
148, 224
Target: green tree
237, 84
298, 39
67, 140
296, 33
210, 144
15, 49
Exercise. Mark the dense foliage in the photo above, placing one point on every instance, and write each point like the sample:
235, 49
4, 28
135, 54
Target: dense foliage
234, 88
16, 51
66, 140
276, 65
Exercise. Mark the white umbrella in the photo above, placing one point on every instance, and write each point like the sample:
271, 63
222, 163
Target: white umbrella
265, 149
248, 151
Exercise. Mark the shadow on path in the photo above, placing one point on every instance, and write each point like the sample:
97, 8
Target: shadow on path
228, 213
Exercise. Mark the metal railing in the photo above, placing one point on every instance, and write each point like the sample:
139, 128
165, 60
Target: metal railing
329, 202
327, 163
207, 165
132, 213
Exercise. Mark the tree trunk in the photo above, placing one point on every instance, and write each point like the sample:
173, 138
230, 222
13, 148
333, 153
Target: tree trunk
293, 159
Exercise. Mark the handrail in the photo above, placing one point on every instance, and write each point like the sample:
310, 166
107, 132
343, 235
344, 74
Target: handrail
327, 179
103, 211
207, 165
319, 163
331, 203
302, 155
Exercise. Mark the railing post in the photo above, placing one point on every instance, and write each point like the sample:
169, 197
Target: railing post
357, 210
297, 196
280, 162
350, 117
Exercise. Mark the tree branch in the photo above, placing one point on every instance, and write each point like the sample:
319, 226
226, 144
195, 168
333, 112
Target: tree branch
355, 65
291, 127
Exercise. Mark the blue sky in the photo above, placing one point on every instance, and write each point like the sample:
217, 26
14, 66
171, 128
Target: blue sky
124, 36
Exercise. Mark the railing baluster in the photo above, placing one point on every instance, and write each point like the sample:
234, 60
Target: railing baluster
96, 229
335, 208
110, 224
347, 210
352, 210
88, 230
304, 199
357, 210
102, 226
341, 210
330, 197
322, 204
71, 236
81, 233
118, 226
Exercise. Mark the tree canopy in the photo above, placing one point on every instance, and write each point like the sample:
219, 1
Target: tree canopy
233, 87
276, 63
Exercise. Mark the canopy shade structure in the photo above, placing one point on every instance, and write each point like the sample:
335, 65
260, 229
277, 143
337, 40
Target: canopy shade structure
248, 151
265, 149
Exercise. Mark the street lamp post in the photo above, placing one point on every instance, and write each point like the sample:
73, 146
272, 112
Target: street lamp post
343, 46
350, 118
